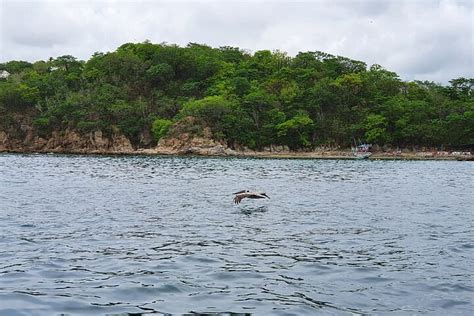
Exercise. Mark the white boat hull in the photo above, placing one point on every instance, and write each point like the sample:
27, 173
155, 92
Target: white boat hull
362, 155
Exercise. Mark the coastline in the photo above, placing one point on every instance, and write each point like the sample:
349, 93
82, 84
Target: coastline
329, 154
96, 143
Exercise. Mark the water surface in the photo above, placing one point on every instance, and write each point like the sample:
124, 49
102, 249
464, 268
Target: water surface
113, 235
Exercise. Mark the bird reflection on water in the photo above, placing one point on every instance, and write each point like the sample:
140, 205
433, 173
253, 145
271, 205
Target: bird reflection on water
249, 210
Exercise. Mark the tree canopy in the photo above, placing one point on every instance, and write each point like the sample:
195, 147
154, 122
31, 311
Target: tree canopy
255, 100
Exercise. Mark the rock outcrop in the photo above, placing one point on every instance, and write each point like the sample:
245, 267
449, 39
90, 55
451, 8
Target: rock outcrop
67, 141
187, 145
184, 139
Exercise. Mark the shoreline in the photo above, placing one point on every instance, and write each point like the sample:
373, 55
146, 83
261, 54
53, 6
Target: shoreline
330, 155
96, 143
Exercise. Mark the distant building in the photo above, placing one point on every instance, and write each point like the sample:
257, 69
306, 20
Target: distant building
4, 74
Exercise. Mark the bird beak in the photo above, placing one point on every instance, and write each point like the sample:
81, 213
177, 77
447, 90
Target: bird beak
239, 192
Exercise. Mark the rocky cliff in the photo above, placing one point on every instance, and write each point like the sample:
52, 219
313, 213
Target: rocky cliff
24, 138
68, 141
181, 140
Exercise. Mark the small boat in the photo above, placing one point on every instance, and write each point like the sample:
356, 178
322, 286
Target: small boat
361, 151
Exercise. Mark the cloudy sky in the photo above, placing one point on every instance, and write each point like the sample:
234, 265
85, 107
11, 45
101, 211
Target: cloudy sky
418, 39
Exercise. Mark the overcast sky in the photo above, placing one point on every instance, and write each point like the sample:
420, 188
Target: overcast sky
418, 39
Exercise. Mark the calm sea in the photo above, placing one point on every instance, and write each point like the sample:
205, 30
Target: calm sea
128, 235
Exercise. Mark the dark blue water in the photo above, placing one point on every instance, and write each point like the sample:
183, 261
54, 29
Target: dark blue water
113, 235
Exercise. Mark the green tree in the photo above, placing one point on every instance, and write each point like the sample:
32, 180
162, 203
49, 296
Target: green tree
376, 129
295, 132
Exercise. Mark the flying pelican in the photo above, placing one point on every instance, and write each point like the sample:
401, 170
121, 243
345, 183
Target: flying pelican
249, 194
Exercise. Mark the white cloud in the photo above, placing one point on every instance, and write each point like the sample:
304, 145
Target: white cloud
427, 40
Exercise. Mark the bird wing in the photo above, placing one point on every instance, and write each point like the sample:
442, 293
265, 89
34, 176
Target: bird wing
239, 198
255, 196
240, 192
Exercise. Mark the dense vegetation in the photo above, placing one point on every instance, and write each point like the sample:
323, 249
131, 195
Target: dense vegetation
254, 100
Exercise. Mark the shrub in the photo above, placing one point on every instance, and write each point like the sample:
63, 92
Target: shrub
160, 127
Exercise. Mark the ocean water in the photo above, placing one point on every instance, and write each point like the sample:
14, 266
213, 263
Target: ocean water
87, 235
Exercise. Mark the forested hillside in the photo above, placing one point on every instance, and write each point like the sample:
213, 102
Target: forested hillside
251, 100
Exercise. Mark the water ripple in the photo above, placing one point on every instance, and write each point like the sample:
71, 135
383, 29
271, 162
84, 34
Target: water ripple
138, 235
